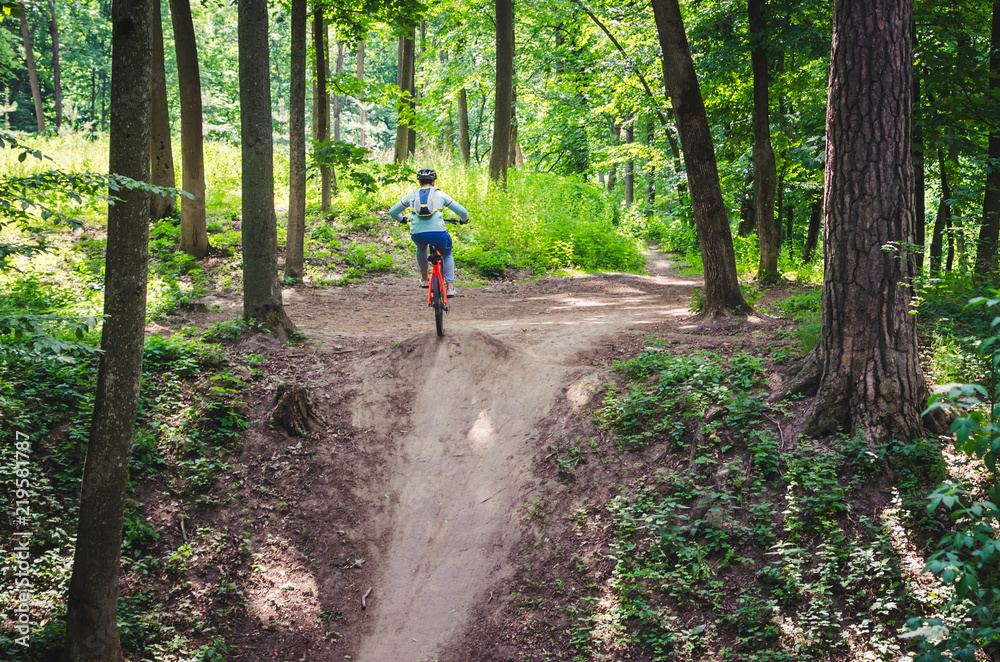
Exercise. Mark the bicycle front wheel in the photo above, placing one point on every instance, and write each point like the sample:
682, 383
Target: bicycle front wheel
437, 301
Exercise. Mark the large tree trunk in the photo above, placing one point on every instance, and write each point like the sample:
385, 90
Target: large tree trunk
989, 232
866, 365
500, 151
463, 126
295, 237
405, 81
722, 288
92, 601
321, 102
765, 171
362, 113
812, 234
194, 235
29, 59
56, 83
161, 151
261, 288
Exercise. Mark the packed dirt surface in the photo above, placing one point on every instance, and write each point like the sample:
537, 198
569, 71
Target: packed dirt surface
416, 483
463, 414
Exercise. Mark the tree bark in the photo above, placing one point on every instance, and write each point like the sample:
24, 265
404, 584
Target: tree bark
499, 153
29, 59
464, 146
722, 288
362, 113
261, 288
92, 601
321, 105
986, 267
405, 81
295, 237
765, 171
161, 151
56, 83
194, 235
866, 365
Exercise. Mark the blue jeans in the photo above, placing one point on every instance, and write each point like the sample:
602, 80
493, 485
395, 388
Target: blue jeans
442, 240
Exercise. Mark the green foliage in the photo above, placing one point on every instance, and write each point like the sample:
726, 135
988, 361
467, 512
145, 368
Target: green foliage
667, 390
968, 560
805, 309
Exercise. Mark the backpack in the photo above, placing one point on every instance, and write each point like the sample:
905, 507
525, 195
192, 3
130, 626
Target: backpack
424, 202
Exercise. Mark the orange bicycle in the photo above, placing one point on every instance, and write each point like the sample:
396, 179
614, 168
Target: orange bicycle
437, 293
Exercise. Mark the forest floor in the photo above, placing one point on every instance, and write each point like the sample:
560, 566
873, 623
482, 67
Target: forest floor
429, 478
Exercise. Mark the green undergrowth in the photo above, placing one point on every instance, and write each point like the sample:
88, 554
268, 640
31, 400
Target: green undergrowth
732, 540
191, 417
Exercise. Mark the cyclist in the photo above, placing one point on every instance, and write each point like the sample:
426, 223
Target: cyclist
427, 226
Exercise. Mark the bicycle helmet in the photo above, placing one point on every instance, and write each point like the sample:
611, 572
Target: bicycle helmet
426, 175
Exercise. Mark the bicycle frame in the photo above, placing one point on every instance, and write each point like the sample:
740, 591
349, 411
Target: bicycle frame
434, 257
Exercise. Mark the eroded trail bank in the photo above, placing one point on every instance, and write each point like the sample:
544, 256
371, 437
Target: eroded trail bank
463, 414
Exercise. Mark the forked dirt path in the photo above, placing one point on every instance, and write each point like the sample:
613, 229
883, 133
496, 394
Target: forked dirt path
462, 416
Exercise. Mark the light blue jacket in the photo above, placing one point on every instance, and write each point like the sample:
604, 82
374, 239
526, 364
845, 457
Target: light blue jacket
434, 222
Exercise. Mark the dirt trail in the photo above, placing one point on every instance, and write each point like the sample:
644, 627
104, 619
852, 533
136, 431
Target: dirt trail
462, 416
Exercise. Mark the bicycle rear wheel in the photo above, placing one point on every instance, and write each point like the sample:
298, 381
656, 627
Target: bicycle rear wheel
437, 300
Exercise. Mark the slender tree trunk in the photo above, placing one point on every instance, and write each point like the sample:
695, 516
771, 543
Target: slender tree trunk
295, 237
779, 209
261, 288
616, 134
448, 138
866, 365
722, 288
93, 95
942, 221
812, 234
405, 81
92, 601
920, 212
765, 172
789, 226
104, 100
194, 235
463, 126
411, 137
499, 154
630, 163
321, 106
56, 84
650, 171
161, 151
29, 58
336, 97
362, 113
748, 221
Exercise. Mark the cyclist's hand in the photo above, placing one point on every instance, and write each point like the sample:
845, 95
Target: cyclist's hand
461, 222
